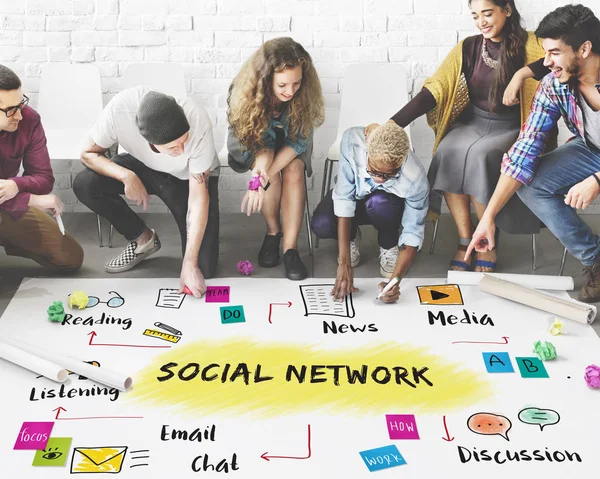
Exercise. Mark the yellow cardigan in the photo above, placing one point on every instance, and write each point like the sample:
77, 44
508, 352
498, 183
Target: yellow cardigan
449, 88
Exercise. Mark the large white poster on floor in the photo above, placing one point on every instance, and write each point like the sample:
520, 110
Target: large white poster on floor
271, 378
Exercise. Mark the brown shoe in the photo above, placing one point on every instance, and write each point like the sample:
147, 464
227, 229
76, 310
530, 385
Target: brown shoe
590, 293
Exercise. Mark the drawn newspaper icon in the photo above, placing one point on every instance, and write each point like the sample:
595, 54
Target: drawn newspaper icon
318, 300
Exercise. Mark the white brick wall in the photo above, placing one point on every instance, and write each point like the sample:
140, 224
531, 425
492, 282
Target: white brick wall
212, 37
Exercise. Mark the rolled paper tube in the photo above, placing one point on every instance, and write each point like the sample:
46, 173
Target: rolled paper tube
94, 373
555, 283
34, 363
566, 308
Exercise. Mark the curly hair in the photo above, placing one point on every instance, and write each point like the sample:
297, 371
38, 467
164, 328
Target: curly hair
389, 145
250, 102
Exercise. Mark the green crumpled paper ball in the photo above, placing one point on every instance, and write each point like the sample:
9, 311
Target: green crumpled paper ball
56, 312
545, 350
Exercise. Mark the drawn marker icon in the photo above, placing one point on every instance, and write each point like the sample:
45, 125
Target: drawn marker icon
166, 327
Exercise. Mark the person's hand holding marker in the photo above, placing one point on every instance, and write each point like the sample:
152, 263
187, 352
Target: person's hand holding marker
389, 292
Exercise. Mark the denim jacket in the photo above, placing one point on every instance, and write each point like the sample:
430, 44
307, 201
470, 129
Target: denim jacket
354, 183
240, 159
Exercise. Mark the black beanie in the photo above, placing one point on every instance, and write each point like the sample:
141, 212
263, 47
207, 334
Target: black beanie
160, 119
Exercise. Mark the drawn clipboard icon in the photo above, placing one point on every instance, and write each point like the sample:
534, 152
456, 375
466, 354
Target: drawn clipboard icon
88, 460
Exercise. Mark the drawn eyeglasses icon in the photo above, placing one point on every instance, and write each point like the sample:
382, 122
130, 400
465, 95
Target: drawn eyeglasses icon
113, 302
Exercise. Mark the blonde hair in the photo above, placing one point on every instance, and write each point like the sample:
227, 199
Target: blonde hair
389, 145
250, 100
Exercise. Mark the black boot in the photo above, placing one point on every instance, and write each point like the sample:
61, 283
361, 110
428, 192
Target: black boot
294, 267
268, 256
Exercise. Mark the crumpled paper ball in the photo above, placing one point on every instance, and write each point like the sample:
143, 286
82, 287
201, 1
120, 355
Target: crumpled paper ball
556, 328
545, 350
592, 376
56, 312
78, 300
245, 267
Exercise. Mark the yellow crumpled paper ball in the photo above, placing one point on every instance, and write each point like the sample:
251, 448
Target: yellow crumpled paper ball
78, 300
556, 328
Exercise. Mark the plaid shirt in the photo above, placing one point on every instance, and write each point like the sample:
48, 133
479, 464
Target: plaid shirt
551, 101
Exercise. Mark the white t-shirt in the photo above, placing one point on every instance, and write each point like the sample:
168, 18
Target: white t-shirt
117, 125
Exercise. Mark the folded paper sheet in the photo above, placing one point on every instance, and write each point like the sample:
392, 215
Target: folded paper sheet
554, 283
566, 308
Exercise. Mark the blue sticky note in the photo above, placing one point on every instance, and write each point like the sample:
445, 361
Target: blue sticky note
382, 458
532, 368
498, 363
232, 314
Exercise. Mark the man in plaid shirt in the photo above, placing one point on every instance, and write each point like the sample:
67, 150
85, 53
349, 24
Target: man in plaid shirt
554, 185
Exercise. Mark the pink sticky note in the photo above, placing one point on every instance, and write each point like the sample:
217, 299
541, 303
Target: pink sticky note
34, 435
217, 294
402, 426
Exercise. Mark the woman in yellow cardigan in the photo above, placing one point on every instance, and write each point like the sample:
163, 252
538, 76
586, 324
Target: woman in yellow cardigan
464, 105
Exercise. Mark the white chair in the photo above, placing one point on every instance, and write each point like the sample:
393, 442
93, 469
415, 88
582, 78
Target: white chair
167, 78
69, 102
223, 154
371, 93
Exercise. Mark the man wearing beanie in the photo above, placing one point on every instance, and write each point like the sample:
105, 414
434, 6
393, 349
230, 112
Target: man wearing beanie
167, 150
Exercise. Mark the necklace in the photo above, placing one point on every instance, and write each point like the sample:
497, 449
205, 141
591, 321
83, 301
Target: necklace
486, 57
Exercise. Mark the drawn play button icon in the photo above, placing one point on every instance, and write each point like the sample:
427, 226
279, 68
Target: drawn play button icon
440, 294
436, 295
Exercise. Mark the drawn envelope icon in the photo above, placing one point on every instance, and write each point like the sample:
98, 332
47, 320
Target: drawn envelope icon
98, 460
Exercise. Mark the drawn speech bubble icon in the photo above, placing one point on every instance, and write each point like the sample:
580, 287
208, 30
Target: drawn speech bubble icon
539, 417
489, 424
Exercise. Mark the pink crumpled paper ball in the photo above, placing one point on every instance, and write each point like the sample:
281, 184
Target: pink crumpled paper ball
592, 376
245, 267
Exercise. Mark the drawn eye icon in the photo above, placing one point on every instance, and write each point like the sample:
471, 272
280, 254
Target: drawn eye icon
51, 455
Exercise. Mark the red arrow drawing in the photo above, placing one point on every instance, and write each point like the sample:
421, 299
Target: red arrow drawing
59, 409
266, 457
288, 304
93, 334
447, 438
504, 341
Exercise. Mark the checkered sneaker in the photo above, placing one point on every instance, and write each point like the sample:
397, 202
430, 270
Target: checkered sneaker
132, 255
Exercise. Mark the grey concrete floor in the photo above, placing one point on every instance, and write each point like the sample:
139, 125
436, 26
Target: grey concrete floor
241, 238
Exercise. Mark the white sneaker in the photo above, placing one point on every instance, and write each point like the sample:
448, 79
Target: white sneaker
354, 250
387, 261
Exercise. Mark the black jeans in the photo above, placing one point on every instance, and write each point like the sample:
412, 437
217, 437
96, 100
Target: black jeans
102, 195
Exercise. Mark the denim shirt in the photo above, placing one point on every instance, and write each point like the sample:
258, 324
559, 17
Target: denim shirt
246, 158
354, 183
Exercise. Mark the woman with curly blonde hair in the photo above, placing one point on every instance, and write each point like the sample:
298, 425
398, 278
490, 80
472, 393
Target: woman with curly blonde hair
275, 102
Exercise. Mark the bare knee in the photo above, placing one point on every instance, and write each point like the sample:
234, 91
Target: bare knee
294, 172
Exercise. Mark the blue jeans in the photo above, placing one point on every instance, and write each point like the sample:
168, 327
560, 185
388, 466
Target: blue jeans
556, 173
